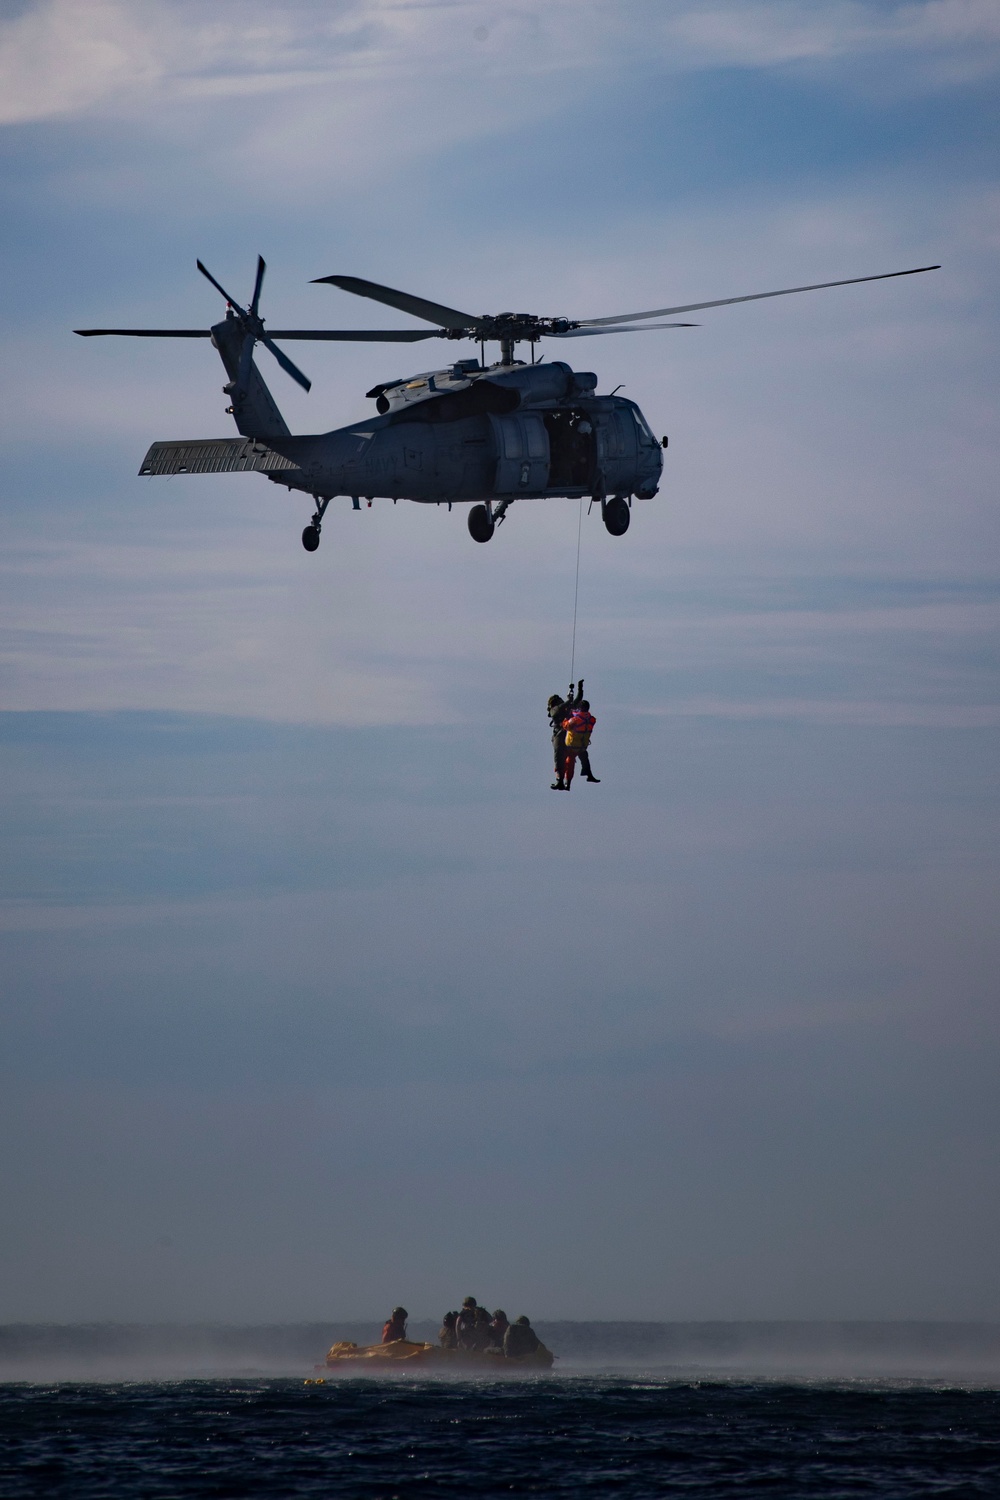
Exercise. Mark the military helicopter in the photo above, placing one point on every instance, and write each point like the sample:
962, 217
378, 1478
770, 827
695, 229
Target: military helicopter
472, 432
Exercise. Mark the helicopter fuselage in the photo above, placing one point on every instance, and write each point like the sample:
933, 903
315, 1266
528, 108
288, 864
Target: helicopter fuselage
580, 445
466, 433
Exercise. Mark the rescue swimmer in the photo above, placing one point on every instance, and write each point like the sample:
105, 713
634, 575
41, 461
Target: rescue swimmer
571, 724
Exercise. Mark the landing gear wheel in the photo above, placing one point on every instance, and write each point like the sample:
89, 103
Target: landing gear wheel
617, 516
310, 538
481, 528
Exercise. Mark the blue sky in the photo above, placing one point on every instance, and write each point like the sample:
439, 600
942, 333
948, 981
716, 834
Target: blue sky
299, 947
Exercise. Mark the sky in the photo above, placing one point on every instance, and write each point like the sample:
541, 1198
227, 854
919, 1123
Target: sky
315, 999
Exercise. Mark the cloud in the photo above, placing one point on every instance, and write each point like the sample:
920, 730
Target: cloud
883, 714
62, 57
70, 57
776, 32
73, 56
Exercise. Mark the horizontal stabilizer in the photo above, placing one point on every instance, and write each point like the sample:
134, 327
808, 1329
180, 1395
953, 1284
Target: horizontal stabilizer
215, 456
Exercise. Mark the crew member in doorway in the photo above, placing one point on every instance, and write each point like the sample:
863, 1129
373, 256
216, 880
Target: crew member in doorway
579, 728
395, 1327
560, 710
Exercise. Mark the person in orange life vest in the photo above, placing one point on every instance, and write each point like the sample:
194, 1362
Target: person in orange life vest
395, 1328
579, 727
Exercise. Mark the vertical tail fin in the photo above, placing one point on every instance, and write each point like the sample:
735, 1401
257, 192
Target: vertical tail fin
254, 409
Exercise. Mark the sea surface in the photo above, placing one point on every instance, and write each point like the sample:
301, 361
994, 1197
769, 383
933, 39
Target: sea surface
613, 1433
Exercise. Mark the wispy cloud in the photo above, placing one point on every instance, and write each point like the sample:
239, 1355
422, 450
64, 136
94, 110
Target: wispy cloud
70, 56
64, 57
880, 714
780, 31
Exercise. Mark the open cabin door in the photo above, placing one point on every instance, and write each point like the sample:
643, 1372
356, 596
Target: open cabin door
522, 449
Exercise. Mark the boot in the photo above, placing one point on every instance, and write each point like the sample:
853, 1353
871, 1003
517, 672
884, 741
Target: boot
558, 786
594, 778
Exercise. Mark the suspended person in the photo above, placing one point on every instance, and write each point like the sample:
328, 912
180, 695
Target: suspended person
395, 1327
560, 709
579, 728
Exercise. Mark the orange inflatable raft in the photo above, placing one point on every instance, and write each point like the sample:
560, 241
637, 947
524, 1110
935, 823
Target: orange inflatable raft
405, 1354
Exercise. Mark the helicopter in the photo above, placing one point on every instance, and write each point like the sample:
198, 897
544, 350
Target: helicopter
485, 434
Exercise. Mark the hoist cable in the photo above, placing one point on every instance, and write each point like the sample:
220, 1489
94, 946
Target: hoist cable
576, 593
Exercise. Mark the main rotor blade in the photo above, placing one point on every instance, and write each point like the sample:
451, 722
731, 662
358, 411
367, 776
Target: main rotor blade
819, 286
433, 312
358, 335
217, 284
147, 333
261, 268
286, 364
335, 335
587, 333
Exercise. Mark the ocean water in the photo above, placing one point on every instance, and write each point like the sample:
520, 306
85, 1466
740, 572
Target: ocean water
615, 1434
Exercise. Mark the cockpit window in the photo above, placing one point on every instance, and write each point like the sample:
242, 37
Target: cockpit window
645, 435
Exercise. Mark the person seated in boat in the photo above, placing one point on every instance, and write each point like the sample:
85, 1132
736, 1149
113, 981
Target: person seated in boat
395, 1327
483, 1330
520, 1339
448, 1338
465, 1323
470, 1325
498, 1327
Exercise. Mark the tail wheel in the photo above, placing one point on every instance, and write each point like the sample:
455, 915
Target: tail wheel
617, 516
481, 528
310, 538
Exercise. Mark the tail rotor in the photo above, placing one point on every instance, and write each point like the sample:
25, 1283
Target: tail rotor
252, 325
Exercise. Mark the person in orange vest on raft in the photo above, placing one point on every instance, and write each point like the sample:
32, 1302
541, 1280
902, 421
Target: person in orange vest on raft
395, 1328
579, 728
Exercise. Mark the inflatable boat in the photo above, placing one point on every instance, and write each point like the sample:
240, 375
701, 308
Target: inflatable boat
405, 1354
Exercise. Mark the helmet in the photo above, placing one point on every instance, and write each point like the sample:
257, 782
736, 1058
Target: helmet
400, 1312
554, 700
523, 1321
500, 1314
469, 1302
585, 705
